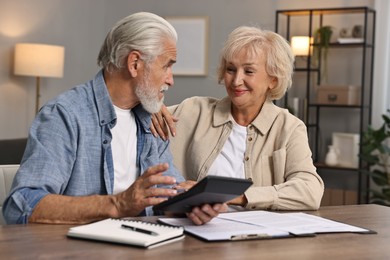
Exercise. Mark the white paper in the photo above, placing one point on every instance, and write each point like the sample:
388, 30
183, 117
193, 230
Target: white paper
295, 223
221, 229
248, 224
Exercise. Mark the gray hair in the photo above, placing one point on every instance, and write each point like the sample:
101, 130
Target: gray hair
142, 32
279, 56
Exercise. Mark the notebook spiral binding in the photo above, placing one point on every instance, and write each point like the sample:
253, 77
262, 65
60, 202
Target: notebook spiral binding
147, 223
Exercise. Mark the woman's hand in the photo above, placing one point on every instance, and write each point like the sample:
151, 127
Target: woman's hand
205, 213
162, 123
240, 200
185, 185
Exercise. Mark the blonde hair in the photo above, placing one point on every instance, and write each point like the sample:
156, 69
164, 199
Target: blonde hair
279, 61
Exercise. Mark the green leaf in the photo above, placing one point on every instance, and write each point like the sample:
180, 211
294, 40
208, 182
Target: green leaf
379, 177
371, 159
378, 195
386, 193
374, 144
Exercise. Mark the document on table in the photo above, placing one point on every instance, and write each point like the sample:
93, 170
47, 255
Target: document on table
220, 229
261, 225
294, 223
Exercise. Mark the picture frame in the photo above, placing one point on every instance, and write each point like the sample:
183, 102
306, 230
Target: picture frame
192, 45
347, 145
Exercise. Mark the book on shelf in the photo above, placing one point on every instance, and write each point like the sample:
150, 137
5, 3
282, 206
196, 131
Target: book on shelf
350, 40
130, 232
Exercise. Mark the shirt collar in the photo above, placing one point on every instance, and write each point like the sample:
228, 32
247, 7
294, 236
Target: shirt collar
222, 112
262, 122
143, 117
106, 110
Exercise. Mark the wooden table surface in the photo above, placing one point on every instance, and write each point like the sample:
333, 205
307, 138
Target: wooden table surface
40, 241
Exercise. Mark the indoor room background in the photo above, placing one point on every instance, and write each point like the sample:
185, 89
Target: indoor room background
81, 25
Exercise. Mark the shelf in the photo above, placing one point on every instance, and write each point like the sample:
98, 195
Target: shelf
319, 117
306, 69
325, 11
324, 166
347, 45
335, 106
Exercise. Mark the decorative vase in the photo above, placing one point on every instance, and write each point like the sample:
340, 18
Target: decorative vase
331, 156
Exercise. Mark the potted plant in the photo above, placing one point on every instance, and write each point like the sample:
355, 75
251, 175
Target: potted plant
375, 151
322, 38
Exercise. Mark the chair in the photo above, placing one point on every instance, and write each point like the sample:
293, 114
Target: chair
7, 174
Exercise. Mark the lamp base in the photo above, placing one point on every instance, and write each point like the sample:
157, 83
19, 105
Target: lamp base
37, 94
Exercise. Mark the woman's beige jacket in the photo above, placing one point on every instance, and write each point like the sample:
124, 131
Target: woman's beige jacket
277, 158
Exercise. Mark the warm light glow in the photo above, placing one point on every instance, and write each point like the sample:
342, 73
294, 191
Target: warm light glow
300, 45
39, 60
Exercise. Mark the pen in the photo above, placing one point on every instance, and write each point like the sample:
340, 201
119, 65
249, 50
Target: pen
250, 236
136, 229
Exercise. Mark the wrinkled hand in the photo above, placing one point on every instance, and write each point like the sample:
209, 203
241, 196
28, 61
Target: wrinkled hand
162, 123
143, 192
202, 215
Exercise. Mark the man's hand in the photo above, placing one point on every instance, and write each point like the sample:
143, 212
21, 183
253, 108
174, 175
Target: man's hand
143, 192
61, 209
162, 123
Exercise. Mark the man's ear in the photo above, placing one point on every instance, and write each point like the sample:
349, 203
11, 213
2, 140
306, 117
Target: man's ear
133, 63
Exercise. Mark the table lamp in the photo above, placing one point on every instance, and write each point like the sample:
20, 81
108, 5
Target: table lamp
300, 45
39, 60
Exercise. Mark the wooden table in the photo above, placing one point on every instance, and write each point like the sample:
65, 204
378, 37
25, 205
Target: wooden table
39, 241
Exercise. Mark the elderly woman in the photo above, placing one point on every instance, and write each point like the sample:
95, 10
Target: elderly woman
245, 135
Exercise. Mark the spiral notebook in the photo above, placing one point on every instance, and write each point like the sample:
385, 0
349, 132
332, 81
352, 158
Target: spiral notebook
130, 232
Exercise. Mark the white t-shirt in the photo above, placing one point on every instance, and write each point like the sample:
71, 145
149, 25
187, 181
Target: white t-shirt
230, 162
124, 149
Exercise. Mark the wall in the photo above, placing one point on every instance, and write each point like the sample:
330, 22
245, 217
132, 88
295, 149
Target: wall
81, 25
382, 62
71, 23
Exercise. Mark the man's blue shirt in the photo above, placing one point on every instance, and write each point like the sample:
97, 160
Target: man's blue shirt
69, 150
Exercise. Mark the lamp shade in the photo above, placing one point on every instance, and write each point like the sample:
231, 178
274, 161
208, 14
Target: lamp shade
39, 60
300, 45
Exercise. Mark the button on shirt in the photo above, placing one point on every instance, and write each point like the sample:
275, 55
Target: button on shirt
277, 153
69, 150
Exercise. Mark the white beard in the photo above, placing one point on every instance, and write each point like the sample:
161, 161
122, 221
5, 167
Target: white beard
148, 96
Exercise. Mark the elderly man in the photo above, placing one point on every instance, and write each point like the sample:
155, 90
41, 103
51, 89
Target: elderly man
90, 153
